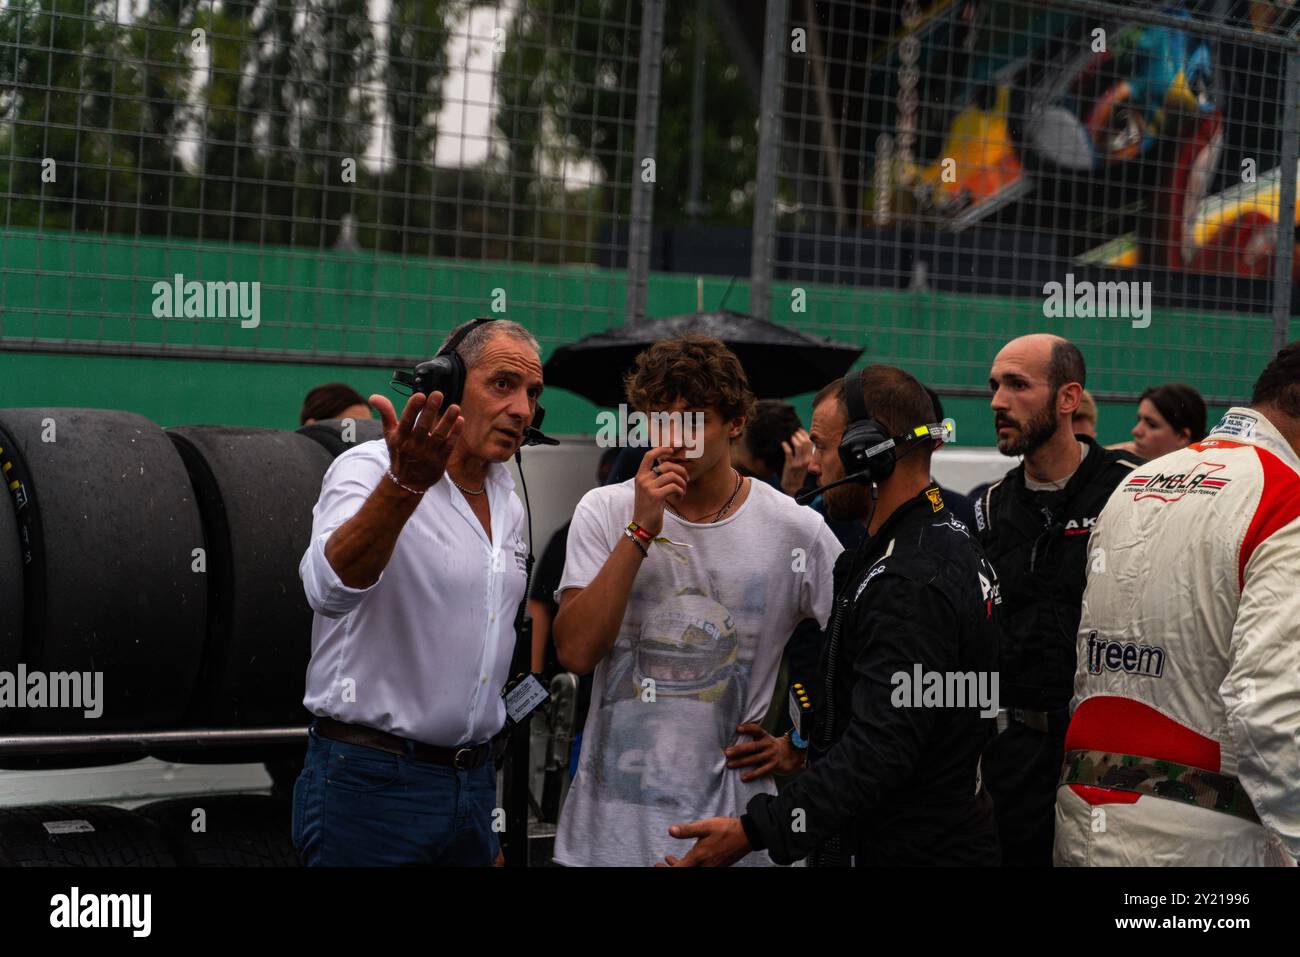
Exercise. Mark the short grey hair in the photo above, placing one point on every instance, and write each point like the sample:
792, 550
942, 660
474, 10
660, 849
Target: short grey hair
471, 347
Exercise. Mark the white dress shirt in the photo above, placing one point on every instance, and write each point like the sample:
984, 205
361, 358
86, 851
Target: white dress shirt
425, 651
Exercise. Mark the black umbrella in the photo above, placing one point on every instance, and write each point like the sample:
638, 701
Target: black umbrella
779, 361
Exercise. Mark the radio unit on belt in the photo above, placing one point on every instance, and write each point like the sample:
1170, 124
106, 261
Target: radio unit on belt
801, 711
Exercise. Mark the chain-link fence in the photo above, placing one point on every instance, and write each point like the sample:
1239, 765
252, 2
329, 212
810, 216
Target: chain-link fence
948, 175
340, 181
313, 180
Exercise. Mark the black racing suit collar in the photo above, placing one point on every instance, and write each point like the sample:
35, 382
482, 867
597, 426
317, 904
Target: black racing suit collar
1043, 509
929, 499
1093, 462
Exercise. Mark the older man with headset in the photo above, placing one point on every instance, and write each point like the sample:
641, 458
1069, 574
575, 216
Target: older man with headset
415, 569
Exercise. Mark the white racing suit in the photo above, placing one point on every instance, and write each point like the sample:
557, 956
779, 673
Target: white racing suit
1189, 653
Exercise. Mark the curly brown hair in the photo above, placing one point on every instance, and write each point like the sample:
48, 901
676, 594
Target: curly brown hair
698, 369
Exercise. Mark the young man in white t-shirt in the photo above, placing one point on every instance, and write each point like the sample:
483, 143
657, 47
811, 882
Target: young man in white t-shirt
683, 614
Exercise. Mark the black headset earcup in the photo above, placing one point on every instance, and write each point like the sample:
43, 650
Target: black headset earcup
446, 371
445, 374
862, 434
882, 464
850, 449
858, 439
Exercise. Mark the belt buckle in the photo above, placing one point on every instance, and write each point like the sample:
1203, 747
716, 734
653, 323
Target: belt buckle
455, 759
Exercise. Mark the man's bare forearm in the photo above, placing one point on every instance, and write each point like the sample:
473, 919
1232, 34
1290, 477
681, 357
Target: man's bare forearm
361, 547
541, 615
587, 624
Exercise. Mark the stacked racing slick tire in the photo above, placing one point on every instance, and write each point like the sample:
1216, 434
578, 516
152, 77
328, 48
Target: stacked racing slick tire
255, 490
107, 525
11, 583
336, 436
226, 830
80, 835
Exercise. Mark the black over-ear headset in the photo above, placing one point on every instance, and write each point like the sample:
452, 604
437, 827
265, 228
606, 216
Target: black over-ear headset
866, 448
446, 373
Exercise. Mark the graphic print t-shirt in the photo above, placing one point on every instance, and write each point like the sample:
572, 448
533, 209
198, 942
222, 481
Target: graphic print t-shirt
696, 655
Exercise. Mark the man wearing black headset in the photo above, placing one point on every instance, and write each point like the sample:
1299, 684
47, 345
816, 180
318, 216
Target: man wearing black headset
415, 570
891, 776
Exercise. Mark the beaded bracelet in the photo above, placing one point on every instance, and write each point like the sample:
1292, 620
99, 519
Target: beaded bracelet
415, 491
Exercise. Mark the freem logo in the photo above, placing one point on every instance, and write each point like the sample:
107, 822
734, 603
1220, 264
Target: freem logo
1127, 656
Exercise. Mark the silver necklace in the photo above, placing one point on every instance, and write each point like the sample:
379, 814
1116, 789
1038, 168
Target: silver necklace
467, 491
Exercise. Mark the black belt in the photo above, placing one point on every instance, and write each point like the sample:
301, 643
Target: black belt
1047, 722
463, 758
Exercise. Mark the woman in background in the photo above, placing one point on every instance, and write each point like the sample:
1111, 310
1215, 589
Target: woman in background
1169, 417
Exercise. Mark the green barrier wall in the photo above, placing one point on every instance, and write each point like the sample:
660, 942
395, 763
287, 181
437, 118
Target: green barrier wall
64, 288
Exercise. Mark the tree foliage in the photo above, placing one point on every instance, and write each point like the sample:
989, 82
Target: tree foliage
572, 67
236, 122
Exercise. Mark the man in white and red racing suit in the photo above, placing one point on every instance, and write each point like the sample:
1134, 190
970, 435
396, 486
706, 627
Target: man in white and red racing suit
1184, 741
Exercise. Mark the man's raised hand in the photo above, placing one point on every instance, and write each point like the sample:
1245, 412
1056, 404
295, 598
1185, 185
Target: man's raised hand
655, 485
798, 456
420, 444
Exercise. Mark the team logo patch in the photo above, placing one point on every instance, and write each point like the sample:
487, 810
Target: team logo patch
990, 590
1128, 656
1237, 423
936, 500
1171, 486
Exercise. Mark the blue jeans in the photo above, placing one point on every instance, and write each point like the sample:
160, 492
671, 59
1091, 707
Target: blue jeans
355, 806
